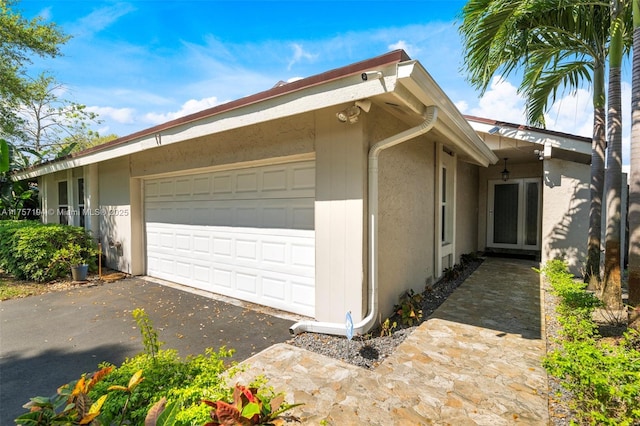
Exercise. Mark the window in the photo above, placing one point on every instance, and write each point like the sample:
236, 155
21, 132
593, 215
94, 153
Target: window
447, 200
81, 201
443, 218
63, 202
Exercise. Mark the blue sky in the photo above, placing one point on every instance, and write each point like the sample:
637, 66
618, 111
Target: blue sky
140, 63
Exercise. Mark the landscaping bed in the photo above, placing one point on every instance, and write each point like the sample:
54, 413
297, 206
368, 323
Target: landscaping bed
370, 350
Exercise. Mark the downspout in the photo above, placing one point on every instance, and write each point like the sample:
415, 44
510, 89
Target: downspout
362, 327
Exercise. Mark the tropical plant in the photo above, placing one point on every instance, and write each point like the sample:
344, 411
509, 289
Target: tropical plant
18, 200
387, 327
409, 308
4, 156
71, 404
178, 384
248, 408
149, 334
559, 44
134, 381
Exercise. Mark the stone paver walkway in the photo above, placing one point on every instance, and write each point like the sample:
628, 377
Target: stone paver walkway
476, 361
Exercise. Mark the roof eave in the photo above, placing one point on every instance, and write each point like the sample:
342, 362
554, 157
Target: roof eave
320, 91
451, 122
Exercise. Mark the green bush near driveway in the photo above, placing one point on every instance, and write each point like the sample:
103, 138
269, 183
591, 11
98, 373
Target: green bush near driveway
28, 249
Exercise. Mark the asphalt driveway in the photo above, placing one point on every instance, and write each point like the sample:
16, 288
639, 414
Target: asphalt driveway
49, 340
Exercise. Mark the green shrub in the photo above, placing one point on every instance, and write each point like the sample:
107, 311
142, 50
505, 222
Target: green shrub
183, 382
467, 258
32, 250
165, 375
603, 378
409, 308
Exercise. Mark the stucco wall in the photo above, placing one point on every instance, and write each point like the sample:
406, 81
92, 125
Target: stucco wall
406, 220
467, 187
115, 213
565, 216
281, 138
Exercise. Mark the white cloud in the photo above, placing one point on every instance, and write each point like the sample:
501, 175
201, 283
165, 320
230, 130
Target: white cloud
189, 107
100, 19
572, 114
463, 106
501, 102
409, 48
45, 13
119, 115
299, 54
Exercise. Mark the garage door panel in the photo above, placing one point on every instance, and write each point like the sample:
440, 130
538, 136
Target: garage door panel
274, 180
274, 289
202, 275
247, 283
303, 294
201, 185
303, 178
271, 213
247, 234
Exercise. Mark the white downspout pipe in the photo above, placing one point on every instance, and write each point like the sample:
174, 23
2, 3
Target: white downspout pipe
362, 327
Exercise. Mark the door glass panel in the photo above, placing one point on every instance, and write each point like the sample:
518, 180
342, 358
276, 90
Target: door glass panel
531, 214
505, 217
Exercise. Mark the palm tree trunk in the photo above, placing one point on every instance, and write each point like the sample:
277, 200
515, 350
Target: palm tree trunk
634, 185
612, 291
598, 146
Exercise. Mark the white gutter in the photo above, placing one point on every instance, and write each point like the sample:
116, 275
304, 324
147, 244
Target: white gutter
362, 327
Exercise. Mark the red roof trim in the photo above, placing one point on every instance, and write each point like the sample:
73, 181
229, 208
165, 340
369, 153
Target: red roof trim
395, 56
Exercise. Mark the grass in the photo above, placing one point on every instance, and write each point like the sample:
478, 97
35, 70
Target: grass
11, 288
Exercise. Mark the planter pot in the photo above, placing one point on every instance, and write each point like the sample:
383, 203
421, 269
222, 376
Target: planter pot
79, 272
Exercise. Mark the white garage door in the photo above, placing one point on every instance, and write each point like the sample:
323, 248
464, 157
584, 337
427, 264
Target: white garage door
245, 233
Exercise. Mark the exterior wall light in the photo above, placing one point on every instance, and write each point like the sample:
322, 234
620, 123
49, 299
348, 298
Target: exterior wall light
350, 115
505, 172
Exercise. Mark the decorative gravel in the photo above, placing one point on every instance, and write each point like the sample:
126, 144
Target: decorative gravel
370, 350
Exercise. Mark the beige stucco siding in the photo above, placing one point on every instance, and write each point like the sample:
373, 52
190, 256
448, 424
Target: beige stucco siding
287, 137
565, 217
406, 220
467, 187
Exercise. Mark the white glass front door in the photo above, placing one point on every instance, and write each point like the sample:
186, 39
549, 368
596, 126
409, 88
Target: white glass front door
514, 214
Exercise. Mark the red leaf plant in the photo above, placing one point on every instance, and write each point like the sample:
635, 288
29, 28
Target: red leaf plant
248, 409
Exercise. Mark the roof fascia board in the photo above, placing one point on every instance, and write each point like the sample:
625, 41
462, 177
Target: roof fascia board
332, 93
535, 137
451, 122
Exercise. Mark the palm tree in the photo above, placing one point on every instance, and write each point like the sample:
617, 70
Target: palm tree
559, 44
634, 185
582, 57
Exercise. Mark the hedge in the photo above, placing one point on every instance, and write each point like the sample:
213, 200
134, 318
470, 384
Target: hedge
28, 247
